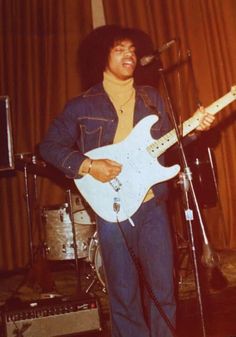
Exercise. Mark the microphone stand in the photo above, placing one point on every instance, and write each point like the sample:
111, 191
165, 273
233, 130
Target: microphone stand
209, 257
187, 185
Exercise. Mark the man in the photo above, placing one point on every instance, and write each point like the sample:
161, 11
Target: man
105, 114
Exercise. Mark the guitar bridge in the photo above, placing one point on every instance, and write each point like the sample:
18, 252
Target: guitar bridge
115, 184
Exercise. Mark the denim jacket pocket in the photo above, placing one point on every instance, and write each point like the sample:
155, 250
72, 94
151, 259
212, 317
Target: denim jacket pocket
90, 138
91, 131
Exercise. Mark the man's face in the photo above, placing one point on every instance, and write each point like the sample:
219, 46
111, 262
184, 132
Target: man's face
122, 60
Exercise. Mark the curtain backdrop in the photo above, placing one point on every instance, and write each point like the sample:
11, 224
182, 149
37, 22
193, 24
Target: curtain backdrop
39, 71
39, 42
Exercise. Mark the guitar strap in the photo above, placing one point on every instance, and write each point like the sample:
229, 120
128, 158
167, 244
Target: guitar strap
148, 103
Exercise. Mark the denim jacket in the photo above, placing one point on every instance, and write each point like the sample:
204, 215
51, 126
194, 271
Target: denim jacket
90, 121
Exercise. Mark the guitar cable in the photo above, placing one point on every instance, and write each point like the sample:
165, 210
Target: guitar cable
145, 282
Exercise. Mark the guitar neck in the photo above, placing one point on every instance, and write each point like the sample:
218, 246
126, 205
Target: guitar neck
165, 142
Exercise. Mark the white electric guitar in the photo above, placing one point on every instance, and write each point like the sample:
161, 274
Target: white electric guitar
120, 198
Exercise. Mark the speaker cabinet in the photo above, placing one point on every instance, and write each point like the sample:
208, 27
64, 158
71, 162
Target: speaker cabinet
51, 318
6, 143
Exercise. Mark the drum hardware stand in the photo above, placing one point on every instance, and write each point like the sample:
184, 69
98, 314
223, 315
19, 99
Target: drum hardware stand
94, 281
186, 181
183, 262
209, 150
29, 213
69, 201
212, 259
19, 159
29, 161
93, 274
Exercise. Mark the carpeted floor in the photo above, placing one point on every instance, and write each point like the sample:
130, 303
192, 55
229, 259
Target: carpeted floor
54, 280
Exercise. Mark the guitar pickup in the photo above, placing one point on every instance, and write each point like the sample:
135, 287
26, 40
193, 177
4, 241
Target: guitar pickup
115, 184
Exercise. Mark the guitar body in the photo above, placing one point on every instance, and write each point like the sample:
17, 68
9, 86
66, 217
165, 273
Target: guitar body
140, 171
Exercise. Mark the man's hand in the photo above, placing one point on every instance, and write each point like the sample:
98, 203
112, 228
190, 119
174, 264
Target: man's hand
103, 170
206, 120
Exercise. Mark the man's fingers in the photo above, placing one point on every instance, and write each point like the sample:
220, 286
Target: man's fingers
114, 163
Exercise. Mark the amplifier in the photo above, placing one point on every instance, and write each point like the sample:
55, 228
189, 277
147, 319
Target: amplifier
51, 318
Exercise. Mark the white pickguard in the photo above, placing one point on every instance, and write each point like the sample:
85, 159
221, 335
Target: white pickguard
141, 170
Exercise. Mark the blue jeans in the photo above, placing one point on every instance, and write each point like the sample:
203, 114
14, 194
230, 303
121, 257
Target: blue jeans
133, 312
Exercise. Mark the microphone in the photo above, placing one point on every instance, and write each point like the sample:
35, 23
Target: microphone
147, 59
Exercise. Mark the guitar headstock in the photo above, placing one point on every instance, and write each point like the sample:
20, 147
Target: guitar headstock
233, 90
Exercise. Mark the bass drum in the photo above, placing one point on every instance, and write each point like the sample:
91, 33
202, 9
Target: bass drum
95, 259
58, 233
82, 212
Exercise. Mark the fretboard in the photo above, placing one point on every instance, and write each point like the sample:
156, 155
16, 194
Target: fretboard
165, 142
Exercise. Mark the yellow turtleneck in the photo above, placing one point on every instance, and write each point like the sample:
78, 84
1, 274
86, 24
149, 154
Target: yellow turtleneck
122, 96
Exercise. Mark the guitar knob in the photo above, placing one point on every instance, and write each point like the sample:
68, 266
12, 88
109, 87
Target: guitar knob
116, 205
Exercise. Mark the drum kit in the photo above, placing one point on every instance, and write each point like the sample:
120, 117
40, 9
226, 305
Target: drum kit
68, 229
59, 244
